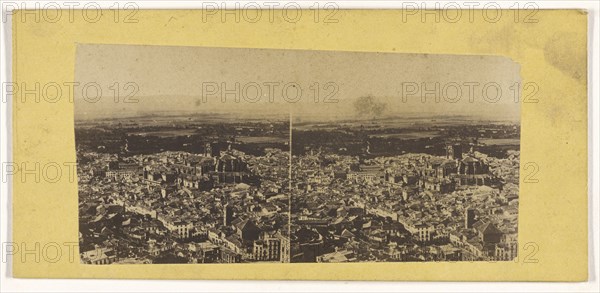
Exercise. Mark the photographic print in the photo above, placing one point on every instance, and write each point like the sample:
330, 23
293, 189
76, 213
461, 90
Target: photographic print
223, 155
170, 179
419, 161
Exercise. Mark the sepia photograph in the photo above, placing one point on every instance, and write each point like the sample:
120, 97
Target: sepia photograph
170, 179
418, 162
337, 146
223, 155
405, 188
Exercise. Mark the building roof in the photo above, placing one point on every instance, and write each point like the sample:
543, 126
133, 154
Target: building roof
97, 254
338, 256
469, 159
487, 228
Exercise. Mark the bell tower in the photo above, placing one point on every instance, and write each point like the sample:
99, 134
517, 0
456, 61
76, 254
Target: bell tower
208, 150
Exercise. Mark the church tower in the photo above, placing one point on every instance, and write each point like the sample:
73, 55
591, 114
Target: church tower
227, 214
208, 150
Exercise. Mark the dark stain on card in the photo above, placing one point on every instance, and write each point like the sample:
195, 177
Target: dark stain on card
562, 53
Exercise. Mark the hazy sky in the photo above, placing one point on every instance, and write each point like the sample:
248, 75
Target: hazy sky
165, 79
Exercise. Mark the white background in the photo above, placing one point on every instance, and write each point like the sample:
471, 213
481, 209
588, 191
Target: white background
9, 284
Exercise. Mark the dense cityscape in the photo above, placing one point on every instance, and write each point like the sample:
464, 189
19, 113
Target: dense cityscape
178, 190
175, 189
374, 191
